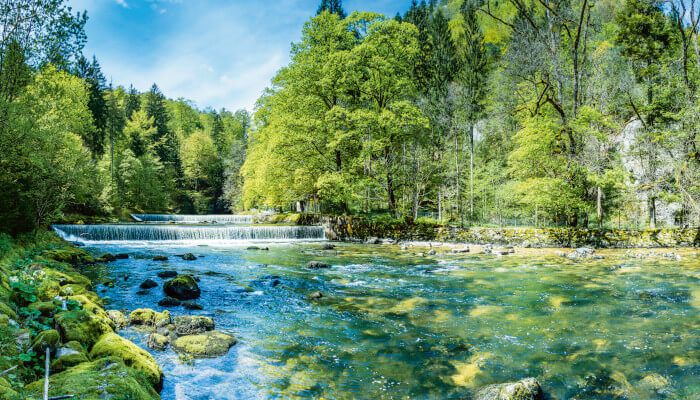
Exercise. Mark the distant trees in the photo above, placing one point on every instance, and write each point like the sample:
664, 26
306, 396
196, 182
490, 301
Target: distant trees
333, 7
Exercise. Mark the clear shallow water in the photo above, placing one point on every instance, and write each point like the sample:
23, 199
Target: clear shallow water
395, 326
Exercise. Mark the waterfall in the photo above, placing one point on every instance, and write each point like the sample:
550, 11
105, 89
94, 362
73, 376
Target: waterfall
95, 233
193, 219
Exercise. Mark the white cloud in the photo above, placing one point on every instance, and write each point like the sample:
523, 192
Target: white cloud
122, 3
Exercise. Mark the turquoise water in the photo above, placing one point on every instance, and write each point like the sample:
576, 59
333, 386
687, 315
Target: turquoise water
392, 325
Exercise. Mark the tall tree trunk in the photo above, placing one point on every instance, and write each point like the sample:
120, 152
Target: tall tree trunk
652, 212
599, 206
459, 192
471, 174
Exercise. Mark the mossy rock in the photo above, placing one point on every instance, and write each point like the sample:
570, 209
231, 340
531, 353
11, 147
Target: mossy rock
67, 361
134, 357
68, 277
101, 379
192, 324
88, 305
7, 310
73, 289
45, 308
46, 339
120, 320
6, 391
81, 326
206, 345
526, 389
142, 316
48, 289
162, 319
183, 287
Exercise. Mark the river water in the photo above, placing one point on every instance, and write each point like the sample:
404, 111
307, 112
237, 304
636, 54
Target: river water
394, 325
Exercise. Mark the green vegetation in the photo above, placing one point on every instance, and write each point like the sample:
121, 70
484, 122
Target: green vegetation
470, 111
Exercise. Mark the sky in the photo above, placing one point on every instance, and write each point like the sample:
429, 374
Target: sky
217, 53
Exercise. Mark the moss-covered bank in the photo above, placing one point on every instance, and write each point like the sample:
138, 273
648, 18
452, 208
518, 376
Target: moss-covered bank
357, 228
88, 360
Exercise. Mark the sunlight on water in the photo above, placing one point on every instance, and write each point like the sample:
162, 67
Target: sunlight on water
392, 325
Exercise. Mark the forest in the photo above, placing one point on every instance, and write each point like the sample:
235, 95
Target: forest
517, 112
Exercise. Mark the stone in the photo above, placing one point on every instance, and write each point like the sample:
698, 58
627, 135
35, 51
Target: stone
121, 256
46, 339
167, 274
317, 265
157, 341
120, 320
191, 305
205, 345
373, 240
183, 287
45, 308
460, 250
148, 284
142, 316
169, 302
328, 246
314, 295
81, 326
189, 257
258, 248
107, 257
526, 389
160, 258
68, 356
162, 319
581, 252
100, 379
134, 357
192, 324
143, 292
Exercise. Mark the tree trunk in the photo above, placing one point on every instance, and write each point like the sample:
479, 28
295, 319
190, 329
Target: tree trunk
652, 212
599, 206
471, 174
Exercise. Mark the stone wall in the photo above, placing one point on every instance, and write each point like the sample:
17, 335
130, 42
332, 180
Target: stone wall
355, 228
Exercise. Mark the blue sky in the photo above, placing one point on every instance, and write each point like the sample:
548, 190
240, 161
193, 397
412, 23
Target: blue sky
217, 53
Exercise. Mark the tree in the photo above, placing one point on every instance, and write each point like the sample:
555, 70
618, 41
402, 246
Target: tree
143, 188
333, 7
138, 132
92, 74
132, 103
164, 143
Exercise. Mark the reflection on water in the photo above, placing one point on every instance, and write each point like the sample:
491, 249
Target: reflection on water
395, 326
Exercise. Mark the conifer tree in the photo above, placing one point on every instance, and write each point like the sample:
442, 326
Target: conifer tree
333, 7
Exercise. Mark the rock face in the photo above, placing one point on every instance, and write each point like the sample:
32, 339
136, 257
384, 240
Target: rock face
101, 379
526, 389
317, 265
183, 287
192, 325
135, 357
148, 284
189, 257
208, 344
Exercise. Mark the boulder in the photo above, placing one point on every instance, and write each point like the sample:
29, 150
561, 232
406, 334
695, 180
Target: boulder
68, 356
208, 344
142, 316
162, 319
121, 256
148, 284
45, 308
317, 265
120, 320
101, 379
183, 287
167, 274
169, 302
328, 246
134, 357
191, 305
81, 326
189, 257
6, 390
7, 310
581, 252
160, 258
107, 257
157, 341
526, 389
192, 325
46, 339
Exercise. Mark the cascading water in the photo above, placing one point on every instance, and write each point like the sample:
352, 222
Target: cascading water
193, 219
116, 233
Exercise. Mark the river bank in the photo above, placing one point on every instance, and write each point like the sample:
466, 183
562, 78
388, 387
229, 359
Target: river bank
46, 302
347, 228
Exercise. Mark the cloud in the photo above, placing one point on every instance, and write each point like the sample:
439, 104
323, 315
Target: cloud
122, 3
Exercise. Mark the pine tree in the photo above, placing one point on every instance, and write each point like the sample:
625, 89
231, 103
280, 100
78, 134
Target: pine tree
92, 74
154, 106
132, 103
333, 7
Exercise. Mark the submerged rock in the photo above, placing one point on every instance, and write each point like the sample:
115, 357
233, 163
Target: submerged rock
121, 256
107, 257
189, 257
160, 258
148, 284
101, 379
134, 357
191, 305
157, 341
167, 274
314, 296
317, 265
208, 344
169, 302
183, 287
120, 320
257, 248
192, 324
526, 389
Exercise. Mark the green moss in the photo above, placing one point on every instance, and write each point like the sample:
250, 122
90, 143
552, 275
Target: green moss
69, 277
135, 357
48, 289
46, 339
7, 310
73, 289
208, 344
45, 308
101, 379
64, 362
142, 316
6, 391
81, 326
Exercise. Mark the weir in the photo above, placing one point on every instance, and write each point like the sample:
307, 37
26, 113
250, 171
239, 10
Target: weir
193, 219
114, 233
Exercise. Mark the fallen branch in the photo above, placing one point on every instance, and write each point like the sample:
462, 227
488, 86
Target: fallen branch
46, 375
69, 396
7, 370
